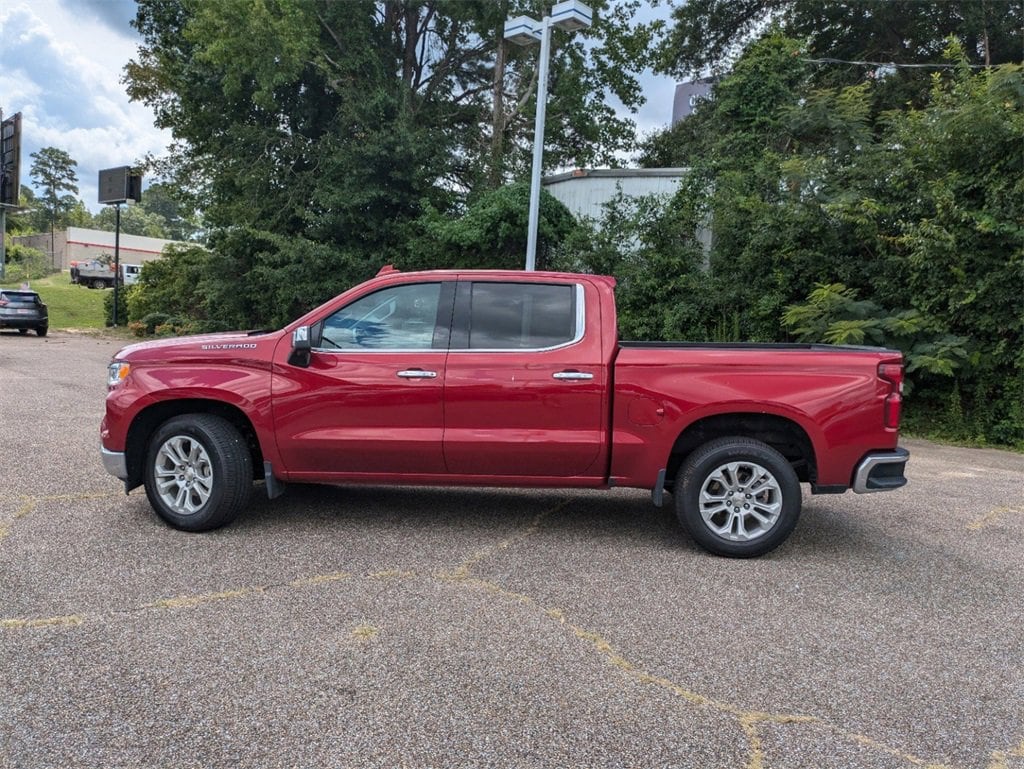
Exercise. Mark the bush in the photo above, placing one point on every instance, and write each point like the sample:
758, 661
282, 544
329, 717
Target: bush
154, 319
24, 263
123, 298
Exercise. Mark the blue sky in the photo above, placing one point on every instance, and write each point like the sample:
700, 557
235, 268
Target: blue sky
61, 65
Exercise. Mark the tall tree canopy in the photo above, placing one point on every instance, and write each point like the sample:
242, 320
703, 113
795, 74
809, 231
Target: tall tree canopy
338, 120
707, 33
53, 172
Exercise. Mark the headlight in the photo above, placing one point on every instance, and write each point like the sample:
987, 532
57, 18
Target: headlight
116, 372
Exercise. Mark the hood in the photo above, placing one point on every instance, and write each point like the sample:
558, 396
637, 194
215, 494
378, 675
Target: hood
231, 343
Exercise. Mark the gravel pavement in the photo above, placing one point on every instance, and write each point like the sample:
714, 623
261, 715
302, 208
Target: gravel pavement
398, 627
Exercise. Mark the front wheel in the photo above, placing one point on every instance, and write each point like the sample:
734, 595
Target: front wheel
737, 497
198, 472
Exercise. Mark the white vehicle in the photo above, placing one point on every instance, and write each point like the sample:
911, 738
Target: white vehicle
130, 274
96, 274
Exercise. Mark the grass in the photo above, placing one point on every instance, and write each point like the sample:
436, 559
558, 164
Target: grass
70, 306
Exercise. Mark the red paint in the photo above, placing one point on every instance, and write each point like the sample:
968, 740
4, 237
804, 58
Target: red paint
502, 417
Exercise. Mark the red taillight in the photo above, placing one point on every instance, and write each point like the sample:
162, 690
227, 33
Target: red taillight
893, 374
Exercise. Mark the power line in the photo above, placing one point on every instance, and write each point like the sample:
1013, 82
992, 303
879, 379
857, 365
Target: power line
894, 65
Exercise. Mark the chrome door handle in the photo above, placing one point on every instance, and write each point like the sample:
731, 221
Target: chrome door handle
572, 375
416, 373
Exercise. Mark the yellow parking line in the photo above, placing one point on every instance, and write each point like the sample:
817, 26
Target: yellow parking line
748, 720
1000, 759
462, 570
992, 515
188, 601
30, 502
70, 620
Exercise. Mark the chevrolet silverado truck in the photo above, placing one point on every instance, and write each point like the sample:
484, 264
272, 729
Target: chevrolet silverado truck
501, 378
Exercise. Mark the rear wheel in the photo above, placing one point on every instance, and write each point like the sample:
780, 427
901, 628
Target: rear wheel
40, 330
99, 283
737, 497
23, 331
198, 472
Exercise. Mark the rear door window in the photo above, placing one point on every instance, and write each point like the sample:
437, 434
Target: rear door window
523, 316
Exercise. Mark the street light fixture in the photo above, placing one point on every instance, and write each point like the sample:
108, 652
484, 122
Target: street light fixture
570, 15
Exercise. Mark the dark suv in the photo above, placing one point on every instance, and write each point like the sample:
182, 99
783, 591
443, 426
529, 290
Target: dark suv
23, 310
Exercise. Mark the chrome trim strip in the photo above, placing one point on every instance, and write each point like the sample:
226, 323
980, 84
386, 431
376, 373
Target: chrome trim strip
115, 463
581, 325
870, 462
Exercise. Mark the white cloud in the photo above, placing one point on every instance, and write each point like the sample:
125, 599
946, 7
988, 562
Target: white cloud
61, 66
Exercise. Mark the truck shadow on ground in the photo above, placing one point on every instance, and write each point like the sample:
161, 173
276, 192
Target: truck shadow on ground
625, 514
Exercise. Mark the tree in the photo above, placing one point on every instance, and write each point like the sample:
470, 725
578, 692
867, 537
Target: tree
22, 223
53, 170
917, 209
135, 220
491, 233
708, 34
367, 109
180, 222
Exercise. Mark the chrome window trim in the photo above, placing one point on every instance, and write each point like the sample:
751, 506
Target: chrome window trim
581, 317
581, 325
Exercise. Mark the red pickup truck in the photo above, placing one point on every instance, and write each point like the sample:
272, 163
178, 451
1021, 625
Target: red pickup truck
499, 378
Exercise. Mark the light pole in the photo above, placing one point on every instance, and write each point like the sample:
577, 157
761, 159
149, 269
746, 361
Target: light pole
569, 15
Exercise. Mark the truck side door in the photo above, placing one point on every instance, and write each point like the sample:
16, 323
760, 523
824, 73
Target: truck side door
371, 400
525, 384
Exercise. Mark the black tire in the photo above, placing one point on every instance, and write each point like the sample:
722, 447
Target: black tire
40, 330
23, 331
748, 484
99, 283
215, 462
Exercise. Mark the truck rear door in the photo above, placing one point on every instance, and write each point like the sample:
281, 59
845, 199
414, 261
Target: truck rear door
525, 383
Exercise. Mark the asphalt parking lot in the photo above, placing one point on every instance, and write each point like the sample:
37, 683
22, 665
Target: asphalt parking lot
377, 627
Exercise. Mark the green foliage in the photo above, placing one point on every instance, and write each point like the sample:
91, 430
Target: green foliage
135, 220
711, 32
24, 263
264, 280
918, 208
650, 245
124, 294
491, 234
171, 285
53, 171
833, 314
366, 109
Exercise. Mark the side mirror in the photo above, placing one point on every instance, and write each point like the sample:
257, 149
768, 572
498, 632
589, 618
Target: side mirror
301, 347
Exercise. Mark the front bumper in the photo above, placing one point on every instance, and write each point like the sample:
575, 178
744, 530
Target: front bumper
881, 471
115, 463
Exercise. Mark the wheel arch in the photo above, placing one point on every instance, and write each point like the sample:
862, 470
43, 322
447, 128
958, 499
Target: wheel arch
150, 418
784, 435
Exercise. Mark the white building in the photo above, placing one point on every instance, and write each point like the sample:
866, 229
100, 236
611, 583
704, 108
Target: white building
78, 244
586, 191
